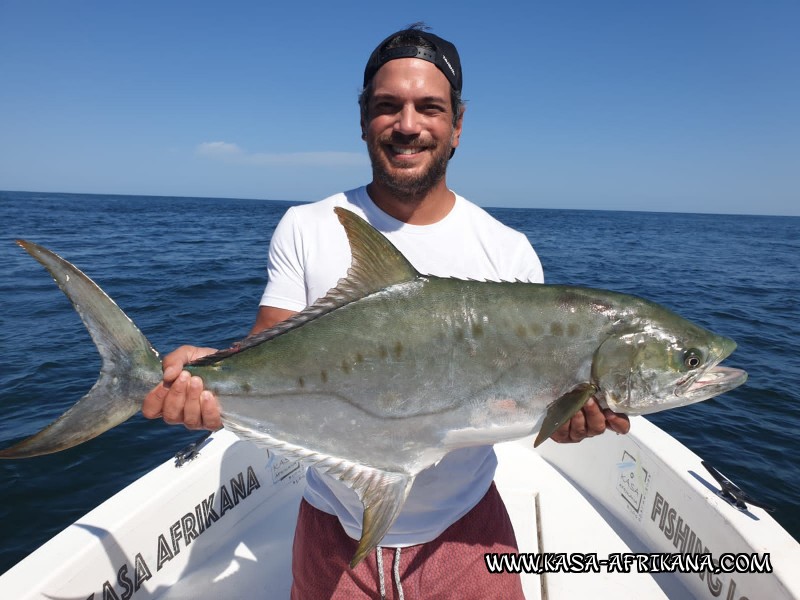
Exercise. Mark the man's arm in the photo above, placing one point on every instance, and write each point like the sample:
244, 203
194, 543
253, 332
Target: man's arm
269, 316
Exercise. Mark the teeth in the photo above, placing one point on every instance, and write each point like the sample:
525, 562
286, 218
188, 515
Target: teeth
398, 150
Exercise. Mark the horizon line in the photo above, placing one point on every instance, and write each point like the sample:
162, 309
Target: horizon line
488, 207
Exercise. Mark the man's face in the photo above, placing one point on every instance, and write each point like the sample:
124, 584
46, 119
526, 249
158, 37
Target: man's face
409, 128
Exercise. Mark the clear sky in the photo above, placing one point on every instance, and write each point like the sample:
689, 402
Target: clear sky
680, 105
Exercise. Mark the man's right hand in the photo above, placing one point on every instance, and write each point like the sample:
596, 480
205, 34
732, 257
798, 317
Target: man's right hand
180, 397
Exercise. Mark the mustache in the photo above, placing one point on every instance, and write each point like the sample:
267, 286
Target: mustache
405, 140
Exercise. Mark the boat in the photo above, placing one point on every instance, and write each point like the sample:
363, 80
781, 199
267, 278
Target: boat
635, 515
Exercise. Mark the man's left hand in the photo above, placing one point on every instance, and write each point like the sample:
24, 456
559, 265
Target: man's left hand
590, 421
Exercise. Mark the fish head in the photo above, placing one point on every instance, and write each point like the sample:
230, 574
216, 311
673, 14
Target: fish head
662, 362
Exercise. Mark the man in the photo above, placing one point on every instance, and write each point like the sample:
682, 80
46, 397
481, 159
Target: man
411, 120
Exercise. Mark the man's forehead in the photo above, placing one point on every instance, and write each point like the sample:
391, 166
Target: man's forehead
410, 75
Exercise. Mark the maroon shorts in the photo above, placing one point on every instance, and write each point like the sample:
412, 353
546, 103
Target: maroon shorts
451, 566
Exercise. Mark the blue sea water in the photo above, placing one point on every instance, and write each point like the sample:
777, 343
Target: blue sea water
191, 270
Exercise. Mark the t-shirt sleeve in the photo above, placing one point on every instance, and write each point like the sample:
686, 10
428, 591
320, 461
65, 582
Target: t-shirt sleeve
286, 287
528, 265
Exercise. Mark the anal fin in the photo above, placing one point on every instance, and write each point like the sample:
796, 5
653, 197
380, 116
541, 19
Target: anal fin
562, 409
383, 494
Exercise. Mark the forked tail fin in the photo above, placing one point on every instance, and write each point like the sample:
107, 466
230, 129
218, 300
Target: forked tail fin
130, 366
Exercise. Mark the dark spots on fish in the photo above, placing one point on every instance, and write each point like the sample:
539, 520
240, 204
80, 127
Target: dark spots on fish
359, 357
398, 350
345, 366
521, 331
573, 330
383, 352
557, 329
247, 388
536, 329
477, 330
324, 376
301, 382
459, 334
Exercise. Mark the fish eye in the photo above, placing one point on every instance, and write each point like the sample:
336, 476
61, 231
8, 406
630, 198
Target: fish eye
692, 359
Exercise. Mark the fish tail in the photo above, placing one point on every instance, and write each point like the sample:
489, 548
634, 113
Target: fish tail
131, 366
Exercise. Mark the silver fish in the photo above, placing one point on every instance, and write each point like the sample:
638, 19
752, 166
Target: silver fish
393, 369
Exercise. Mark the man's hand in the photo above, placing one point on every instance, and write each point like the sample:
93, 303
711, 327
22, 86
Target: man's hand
180, 397
590, 421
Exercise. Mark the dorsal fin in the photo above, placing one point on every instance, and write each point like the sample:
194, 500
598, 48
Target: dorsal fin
376, 265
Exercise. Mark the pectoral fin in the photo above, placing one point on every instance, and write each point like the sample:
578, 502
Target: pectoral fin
562, 409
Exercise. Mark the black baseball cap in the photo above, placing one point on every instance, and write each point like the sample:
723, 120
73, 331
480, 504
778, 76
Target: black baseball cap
443, 54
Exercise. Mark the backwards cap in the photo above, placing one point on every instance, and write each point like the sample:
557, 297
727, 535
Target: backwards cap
443, 54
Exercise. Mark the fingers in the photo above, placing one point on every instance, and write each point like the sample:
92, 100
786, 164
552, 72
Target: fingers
172, 408
595, 419
185, 405
184, 401
180, 398
617, 421
174, 362
561, 435
151, 407
590, 421
583, 424
209, 410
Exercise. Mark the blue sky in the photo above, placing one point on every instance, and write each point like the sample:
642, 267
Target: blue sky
680, 106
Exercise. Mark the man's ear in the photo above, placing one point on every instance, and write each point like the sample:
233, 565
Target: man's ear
458, 127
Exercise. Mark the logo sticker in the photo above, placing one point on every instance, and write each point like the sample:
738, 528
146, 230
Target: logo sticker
633, 480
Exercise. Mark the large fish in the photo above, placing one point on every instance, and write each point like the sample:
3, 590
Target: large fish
392, 369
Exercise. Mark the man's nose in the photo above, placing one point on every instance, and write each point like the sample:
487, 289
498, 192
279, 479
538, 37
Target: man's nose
408, 121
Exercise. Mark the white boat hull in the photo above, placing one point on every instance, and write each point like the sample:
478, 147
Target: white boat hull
221, 526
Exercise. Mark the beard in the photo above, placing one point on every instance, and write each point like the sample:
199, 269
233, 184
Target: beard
406, 184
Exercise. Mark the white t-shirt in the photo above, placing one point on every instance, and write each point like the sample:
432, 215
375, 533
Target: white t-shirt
308, 255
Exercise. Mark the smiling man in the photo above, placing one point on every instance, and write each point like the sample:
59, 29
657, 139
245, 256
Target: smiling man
411, 119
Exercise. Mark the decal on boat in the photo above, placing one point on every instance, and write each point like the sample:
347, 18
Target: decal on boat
180, 535
633, 483
286, 471
638, 484
683, 536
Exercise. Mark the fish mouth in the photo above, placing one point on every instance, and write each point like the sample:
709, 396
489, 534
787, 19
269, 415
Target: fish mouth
712, 382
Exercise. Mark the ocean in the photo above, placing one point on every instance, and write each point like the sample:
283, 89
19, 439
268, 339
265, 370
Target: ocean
191, 270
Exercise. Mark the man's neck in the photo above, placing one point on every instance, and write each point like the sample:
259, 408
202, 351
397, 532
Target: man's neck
431, 207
